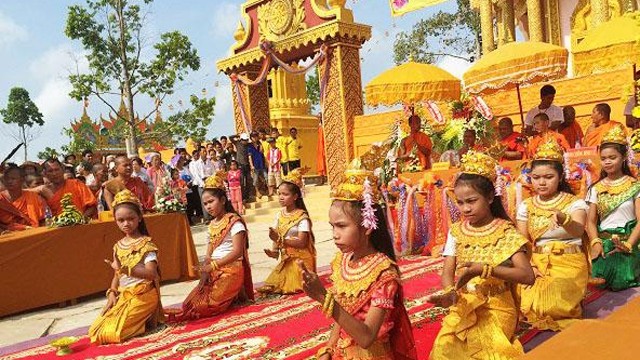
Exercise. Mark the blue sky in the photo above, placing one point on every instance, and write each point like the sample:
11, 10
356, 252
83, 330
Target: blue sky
35, 54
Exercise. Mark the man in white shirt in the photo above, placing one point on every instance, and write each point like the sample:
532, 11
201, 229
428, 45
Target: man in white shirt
196, 167
556, 118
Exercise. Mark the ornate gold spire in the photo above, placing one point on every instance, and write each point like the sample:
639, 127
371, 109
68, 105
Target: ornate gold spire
352, 188
478, 163
549, 150
216, 181
125, 196
615, 135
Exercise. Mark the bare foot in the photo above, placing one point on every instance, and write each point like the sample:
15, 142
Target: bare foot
271, 253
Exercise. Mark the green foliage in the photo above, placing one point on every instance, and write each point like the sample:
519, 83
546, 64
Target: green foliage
112, 33
313, 89
443, 33
191, 123
77, 144
48, 153
23, 114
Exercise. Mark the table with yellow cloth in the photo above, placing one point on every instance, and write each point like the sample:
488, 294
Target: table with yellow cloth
43, 266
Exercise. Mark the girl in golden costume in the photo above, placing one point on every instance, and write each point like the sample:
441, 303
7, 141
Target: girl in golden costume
292, 237
366, 299
614, 208
492, 257
553, 220
225, 274
133, 299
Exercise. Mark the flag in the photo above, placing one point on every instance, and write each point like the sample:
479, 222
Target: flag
401, 7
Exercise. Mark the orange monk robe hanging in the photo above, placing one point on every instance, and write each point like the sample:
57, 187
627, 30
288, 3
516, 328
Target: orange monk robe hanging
401, 7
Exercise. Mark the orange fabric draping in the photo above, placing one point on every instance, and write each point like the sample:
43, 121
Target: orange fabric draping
32, 205
81, 196
593, 137
541, 139
614, 337
47, 266
573, 133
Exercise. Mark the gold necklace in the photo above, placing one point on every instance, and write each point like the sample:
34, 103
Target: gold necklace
484, 230
550, 204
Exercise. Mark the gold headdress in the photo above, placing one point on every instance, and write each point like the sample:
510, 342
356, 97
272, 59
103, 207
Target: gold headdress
125, 196
478, 163
295, 177
615, 135
352, 187
549, 150
216, 181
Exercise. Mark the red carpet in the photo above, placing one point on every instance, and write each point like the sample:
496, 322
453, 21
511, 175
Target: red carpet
289, 327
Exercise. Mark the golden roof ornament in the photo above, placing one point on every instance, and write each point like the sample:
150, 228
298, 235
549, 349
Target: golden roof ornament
352, 188
216, 181
477, 163
125, 196
615, 135
549, 150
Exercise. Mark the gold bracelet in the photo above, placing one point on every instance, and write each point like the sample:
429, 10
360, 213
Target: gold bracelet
490, 272
111, 290
324, 350
627, 245
327, 298
329, 313
567, 219
596, 241
485, 269
327, 307
129, 271
214, 265
448, 289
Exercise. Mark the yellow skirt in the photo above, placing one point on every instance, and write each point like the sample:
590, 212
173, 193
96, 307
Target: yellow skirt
347, 349
134, 313
479, 326
217, 294
286, 278
553, 302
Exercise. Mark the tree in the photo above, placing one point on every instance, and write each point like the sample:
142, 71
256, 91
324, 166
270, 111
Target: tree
313, 89
48, 153
77, 144
443, 33
24, 114
191, 123
112, 33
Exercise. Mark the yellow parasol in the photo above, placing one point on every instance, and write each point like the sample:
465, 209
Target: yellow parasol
611, 46
515, 64
412, 82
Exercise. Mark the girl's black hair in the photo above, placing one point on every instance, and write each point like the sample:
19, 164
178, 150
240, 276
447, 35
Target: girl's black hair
221, 194
622, 150
485, 187
380, 238
296, 190
557, 166
142, 227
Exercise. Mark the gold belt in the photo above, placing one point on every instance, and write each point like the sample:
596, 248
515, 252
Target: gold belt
486, 289
557, 250
608, 235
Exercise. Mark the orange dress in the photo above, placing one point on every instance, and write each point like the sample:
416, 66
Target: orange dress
541, 139
512, 145
81, 196
421, 139
136, 186
32, 205
594, 135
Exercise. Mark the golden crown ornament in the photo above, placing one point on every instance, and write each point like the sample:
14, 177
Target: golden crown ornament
125, 196
216, 181
549, 150
295, 177
352, 188
615, 135
478, 163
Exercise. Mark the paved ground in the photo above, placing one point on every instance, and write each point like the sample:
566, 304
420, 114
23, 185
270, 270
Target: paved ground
35, 324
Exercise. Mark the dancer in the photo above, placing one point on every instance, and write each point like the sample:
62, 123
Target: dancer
553, 220
293, 239
492, 258
366, 299
133, 299
225, 274
614, 207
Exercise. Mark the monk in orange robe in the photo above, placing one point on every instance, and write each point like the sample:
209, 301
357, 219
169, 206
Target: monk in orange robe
600, 116
469, 143
11, 218
570, 128
418, 140
511, 140
541, 127
124, 180
81, 195
29, 203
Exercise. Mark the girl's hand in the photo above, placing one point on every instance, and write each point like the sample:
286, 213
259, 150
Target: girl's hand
111, 300
115, 265
204, 279
471, 270
325, 356
619, 246
444, 300
311, 283
596, 251
273, 234
559, 218
536, 273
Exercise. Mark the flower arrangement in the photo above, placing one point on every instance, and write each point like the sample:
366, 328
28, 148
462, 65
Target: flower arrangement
70, 215
167, 201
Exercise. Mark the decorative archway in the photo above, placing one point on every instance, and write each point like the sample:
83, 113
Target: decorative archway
296, 30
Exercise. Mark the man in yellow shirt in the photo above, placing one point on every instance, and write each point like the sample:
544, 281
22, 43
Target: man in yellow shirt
293, 149
281, 143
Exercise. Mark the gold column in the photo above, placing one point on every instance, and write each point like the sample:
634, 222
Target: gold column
599, 11
342, 103
534, 14
256, 102
509, 22
486, 26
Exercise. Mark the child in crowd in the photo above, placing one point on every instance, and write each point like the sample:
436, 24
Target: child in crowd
178, 186
234, 178
273, 159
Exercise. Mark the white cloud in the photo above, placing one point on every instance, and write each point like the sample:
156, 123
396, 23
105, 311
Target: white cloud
453, 65
10, 31
58, 62
225, 19
223, 121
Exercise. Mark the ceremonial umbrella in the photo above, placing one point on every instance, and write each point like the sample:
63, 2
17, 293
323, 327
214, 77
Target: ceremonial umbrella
516, 64
410, 83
